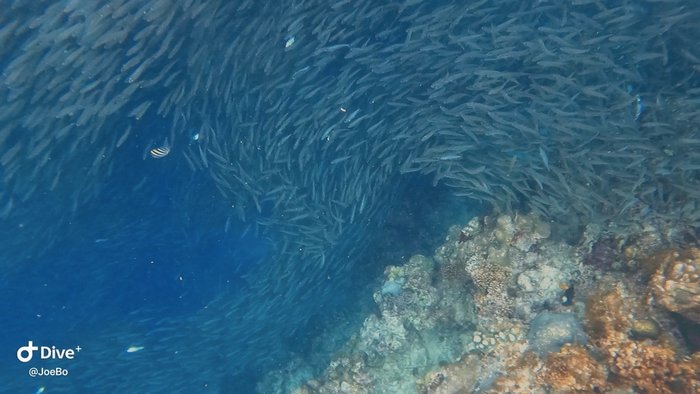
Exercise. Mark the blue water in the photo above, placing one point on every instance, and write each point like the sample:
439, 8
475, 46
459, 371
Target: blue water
156, 243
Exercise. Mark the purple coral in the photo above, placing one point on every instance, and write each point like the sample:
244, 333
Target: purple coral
602, 254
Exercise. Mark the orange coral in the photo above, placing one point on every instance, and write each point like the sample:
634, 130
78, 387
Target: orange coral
649, 366
607, 317
573, 370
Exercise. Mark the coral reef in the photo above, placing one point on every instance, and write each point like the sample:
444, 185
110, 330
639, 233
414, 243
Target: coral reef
627, 247
494, 311
509, 255
407, 336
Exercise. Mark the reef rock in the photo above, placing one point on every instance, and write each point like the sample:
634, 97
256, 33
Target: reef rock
550, 331
676, 283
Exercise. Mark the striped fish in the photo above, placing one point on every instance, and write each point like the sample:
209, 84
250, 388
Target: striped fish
160, 151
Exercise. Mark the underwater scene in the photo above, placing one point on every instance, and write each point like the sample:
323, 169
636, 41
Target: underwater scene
359, 197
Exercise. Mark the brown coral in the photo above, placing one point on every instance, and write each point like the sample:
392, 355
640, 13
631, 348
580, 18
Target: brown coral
690, 368
491, 296
453, 272
648, 366
520, 377
573, 370
676, 283
456, 378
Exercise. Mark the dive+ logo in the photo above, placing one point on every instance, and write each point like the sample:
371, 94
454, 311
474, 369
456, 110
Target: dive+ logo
26, 353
